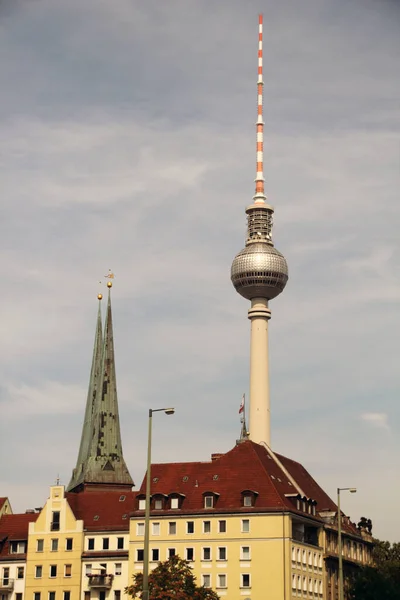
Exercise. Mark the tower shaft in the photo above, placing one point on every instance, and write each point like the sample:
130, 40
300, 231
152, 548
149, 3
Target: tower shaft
260, 417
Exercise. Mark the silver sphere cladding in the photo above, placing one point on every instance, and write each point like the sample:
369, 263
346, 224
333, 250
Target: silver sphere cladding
259, 271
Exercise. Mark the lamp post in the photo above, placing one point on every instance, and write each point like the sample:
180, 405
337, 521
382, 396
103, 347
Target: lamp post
352, 491
145, 593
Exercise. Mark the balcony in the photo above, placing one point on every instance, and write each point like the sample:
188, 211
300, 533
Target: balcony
6, 585
100, 582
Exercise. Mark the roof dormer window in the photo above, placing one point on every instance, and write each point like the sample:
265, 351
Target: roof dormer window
249, 498
210, 499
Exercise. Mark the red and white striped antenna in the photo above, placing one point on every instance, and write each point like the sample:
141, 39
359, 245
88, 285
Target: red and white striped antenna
260, 195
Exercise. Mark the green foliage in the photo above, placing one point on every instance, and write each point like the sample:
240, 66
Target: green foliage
381, 581
171, 580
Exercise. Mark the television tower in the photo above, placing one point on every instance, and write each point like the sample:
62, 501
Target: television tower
259, 273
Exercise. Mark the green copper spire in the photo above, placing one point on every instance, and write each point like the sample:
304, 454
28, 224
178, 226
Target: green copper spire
100, 459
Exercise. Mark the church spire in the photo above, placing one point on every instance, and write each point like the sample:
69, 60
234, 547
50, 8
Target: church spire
100, 460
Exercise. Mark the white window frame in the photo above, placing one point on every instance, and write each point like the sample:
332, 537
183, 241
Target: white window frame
203, 553
247, 528
172, 525
222, 529
222, 586
206, 580
139, 529
36, 571
155, 559
174, 503
219, 553
70, 570
118, 569
242, 576
50, 575
158, 504
54, 542
186, 554
156, 528
242, 554
190, 524
40, 542
207, 524
142, 503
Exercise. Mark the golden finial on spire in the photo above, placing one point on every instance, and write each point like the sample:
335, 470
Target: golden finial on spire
109, 276
99, 295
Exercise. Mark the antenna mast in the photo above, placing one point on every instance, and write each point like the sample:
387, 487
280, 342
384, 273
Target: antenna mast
260, 195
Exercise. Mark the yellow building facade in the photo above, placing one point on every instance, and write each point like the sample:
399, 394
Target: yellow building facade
55, 546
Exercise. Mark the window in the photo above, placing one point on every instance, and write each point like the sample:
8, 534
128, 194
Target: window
91, 544
18, 596
247, 500
55, 524
158, 504
67, 570
17, 547
88, 569
39, 546
245, 525
53, 571
207, 553
20, 572
86, 595
6, 575
67, 596
245, 583
222, 553
36, 595
54, 545
206, 580
142, 503
139, 529
106, 543
122, 498
206, 526
155, 554
118, 568
156, 528
222, 526
174, 503
102, 595
139, 555
189, 526
69, 543
52, 596
190, 554
171, 552
221, 581
245, 553
208, 501
172, 528
38, 571
120, 543
117, 594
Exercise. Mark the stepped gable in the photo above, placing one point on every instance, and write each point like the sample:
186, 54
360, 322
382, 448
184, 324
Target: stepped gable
107, 510
14, 528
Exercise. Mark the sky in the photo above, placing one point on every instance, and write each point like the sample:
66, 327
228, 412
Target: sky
127, 142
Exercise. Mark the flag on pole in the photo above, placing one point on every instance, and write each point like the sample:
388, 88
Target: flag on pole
241, 407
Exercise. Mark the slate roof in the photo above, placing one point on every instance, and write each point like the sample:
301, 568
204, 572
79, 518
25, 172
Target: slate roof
104, 510
14, 528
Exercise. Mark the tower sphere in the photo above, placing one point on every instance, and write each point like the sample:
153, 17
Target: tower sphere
259, 271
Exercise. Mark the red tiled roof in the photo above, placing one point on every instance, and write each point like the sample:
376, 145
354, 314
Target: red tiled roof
248, 466
103, 510
14, 528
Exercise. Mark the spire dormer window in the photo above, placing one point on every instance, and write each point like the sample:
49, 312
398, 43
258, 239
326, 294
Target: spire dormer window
210, 499
249, 498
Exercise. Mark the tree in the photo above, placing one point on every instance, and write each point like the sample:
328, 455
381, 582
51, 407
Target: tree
171, 580
382, 580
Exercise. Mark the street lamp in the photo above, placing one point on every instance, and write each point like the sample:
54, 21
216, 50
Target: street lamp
145, 593
352, 491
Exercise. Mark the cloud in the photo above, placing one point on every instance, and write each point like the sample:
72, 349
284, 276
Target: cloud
129, 142
378, 420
